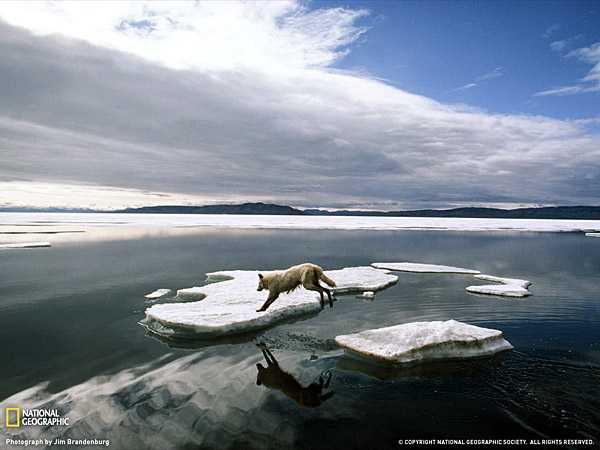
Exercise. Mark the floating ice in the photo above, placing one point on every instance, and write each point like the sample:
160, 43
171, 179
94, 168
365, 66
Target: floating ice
193, 293
509, 287
26, 245
229, 306
422, 268
361, 279
304, 222
593, 234
369, 295
423, 341
158, 293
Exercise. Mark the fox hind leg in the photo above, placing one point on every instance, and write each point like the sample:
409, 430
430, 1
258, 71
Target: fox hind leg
328, 291
320, 290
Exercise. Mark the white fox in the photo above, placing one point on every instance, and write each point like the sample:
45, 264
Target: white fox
307, 275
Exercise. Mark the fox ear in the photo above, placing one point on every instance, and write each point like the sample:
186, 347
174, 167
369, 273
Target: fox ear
260, 275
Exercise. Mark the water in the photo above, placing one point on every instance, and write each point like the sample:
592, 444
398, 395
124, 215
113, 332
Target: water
69, 327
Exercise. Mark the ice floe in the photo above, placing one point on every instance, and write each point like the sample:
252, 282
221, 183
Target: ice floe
508, 287
422, 268
593, 234
361, 279
423, 341
229, 306
26, 245
369, 295
158, 293
305, 222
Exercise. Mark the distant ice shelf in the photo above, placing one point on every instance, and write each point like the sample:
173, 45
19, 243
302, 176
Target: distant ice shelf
26, 245
158, 293
508, 287
228, 305
424, 341
422, 268
304, 222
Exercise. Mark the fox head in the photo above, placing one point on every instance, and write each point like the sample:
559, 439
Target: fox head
262, 283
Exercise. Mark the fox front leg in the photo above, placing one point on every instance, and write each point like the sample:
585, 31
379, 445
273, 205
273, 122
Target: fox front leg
270, 299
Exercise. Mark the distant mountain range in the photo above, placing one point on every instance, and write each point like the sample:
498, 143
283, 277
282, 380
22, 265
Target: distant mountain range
244, 208
550, 212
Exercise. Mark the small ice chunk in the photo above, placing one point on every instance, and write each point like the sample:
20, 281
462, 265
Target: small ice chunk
508, 287
593, 234
422, 268
26, 245
369, 295
189, 294
424, 341
158, 293
229, 306
361, 279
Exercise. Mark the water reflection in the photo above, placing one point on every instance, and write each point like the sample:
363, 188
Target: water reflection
274, 377
431, 369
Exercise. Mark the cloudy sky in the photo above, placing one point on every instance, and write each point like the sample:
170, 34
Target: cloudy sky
385, 105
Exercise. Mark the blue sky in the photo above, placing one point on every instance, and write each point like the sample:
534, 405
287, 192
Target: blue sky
433, 48
378, 105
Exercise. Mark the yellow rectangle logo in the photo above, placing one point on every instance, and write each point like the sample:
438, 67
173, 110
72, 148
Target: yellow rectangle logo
17, 419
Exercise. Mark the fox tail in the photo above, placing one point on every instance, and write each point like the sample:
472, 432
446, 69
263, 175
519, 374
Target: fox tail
326, 279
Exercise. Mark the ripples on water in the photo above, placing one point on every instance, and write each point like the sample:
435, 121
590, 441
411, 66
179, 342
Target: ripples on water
75, 310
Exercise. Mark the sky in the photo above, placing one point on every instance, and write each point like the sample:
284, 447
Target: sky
362, 105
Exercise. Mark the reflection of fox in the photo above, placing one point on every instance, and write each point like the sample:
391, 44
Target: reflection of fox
274, 377
307, 275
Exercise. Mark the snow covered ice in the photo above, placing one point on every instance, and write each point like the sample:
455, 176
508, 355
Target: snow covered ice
593, 234
508, 287
361, 279
422, 268
158, 293
305, 222
228, 306
424, 341
26, 245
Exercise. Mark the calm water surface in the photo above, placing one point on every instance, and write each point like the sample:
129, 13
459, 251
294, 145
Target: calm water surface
69, 327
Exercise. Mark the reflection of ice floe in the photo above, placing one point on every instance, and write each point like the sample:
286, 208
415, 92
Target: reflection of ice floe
433, 369
508, 287
422, 341
422, 268
229, 306
593, 234
26, 245
158, 293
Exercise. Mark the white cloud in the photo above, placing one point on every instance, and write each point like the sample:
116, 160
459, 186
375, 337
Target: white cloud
466, 87
496, 73
218, 35
589, 83
564, 44
67, 195
552, 29
226, 127
564, 90
590, 55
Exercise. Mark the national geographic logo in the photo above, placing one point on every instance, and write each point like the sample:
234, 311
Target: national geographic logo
15, 417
